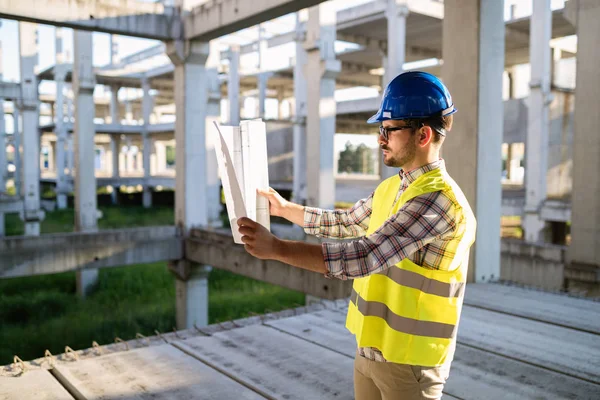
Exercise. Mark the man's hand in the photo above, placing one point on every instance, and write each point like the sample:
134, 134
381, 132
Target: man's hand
258, 241
277, 203
280, 207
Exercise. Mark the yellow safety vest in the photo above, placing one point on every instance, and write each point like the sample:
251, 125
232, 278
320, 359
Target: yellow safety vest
408, 312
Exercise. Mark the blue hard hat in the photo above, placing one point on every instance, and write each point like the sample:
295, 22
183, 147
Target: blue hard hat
414, 94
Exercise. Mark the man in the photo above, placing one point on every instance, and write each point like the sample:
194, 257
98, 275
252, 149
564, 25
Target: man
409, 258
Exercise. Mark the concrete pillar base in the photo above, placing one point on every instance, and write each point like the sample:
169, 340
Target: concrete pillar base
61, 201
147, 197
86, 280
32, 228
533, 228
192, 295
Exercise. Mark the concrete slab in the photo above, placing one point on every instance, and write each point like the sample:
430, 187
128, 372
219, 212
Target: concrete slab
475, 374
556, 309
553, 347
275, 363
38, 384
159, 372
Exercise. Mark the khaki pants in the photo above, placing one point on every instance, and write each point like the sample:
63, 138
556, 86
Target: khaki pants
386, 381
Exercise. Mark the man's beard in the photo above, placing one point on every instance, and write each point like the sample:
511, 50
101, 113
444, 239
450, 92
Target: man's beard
399, 160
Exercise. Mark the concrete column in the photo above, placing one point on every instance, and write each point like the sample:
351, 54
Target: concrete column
114, 51
3, 162
192, 86
474, 30
192, 298
114, 104
128, 110
29, 105
70, 154
233, 86
51, 155
396, 14
509, 161
321, 71
280, 107
299, 117
60, 127
115, 149
86, 213
584, 251
536, 148
146, 142
17, 144
263, 79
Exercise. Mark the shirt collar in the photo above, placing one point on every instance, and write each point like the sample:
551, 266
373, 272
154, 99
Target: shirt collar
409, 177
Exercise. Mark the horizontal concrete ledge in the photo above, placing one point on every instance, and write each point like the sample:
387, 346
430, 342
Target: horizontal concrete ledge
583, 272
544, 251
536, 264
216, 248
48, 254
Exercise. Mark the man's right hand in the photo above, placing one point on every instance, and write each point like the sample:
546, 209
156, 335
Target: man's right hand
280, 207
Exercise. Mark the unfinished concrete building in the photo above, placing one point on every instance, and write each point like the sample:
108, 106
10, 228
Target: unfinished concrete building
524, 143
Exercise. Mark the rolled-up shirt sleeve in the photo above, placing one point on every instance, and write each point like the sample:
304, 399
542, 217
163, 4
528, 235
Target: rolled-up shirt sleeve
418, 223
339, 224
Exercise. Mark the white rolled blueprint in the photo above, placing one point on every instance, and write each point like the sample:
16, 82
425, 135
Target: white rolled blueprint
243, 167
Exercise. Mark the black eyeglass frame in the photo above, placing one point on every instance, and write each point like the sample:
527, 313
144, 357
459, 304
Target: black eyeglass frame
385, 132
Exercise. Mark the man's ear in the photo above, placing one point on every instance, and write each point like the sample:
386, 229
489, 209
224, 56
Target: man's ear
425, 135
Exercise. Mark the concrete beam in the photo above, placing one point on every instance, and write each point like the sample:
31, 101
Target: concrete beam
218, 18
217, 249
49, 254
10, 90
124, 17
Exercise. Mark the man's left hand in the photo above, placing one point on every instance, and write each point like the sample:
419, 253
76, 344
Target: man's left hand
258, 241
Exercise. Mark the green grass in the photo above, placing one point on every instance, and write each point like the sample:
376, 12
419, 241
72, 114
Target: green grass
44, 312
112, 218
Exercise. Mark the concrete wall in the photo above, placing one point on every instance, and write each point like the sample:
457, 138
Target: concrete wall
539, 265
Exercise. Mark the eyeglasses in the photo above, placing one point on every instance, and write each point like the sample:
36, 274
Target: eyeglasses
385, 132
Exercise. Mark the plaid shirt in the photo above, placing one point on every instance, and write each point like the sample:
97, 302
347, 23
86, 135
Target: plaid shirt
421, 231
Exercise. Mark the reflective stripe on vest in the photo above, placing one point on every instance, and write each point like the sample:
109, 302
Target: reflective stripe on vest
408, 312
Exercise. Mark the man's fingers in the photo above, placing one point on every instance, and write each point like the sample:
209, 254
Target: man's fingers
265, 193
246, 230
245, 221
247, 239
